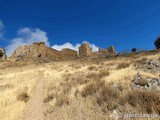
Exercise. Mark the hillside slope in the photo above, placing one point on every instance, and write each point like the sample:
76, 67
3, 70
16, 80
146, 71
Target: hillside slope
81, 89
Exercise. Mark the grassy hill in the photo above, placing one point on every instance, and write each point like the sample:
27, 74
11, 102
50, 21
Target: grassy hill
96, 89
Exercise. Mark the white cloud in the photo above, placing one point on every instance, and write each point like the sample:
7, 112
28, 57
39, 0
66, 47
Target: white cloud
93, 46
1, 29
26, 36
73, 47
66, 45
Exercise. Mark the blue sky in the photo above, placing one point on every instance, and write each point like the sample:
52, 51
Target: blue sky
122, 23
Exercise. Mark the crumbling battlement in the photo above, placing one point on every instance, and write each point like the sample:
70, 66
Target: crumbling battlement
39, 51
85, 50
110, 50
70, 54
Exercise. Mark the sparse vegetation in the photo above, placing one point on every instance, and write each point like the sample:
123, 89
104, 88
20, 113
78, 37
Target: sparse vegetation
144, 101
85, 87
90, 89
62, 99
122, 66
108, 97
142, 60
23, 96
143, 82
103, 73
134, 49
15, 90
157, 43
91, 68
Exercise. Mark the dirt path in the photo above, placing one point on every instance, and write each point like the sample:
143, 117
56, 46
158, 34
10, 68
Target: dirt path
35, 108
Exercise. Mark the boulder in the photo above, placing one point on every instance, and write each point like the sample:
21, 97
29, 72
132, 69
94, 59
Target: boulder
152, 84
150, 66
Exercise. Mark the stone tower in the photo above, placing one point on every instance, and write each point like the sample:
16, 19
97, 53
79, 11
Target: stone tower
85, 50
111, 49
2, 54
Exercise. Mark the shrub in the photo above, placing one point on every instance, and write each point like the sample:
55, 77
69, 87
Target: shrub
50, 97
92, 75
157, 43
144, 101
143, 82
143, 60
62, 99
23, 96
90, 89
99, 75
109, 93
91, 68
103, 73
122, 66
108, 98
134, 50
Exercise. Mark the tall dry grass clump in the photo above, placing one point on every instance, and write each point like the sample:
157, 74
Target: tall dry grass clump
15, 90
144, 101
23, 96
123, 65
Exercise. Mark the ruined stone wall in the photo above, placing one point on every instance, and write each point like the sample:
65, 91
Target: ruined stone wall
30, 52
109, 50
3, 55
85, 50
40, 52
69, 54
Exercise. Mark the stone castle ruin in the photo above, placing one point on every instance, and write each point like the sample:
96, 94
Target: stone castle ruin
85, 50
72, 54
2, 54
39, 51
110, 50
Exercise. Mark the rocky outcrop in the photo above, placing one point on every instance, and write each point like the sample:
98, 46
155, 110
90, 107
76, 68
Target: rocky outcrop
3, 55
85, 50
152, 84
150, 66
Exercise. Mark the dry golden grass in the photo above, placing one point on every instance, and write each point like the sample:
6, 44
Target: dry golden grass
16, 87
103, 72
144, 101
78, 89
91, 88
123, 65
92, 81
23, 96
92, 68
